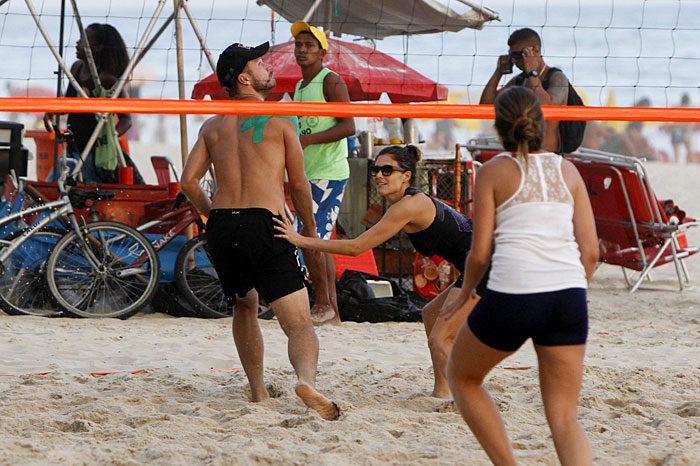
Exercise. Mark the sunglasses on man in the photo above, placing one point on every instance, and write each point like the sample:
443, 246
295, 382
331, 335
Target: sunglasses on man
386, 170
517, 54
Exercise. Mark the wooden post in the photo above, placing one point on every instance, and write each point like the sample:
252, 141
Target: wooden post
181, 90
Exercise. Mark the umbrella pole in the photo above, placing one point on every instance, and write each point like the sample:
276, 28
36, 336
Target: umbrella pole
311, 11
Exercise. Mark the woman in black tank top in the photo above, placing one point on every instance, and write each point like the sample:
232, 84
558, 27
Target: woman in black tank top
111, 59
433, 227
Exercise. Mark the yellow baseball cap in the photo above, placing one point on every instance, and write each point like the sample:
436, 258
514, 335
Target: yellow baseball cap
301, 26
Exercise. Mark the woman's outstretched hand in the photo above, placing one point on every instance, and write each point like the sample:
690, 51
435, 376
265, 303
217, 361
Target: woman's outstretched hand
285, 230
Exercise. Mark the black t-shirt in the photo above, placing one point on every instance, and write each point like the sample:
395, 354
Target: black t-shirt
449, 236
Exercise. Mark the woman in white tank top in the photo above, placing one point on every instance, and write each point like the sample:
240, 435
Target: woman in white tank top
531, 209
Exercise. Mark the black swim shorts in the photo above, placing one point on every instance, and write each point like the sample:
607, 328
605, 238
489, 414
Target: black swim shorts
504, 321
246, 254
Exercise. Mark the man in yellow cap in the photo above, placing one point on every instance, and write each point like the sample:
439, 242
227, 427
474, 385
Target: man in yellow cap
324, 140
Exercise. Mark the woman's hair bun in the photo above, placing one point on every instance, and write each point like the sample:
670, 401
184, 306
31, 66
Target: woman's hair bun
525, 128
414, 151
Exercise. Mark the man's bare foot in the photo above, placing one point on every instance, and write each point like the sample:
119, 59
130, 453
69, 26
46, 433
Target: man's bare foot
318, 309
321, 314
444, 394
319, 403
333, 321
259, 396
441, 390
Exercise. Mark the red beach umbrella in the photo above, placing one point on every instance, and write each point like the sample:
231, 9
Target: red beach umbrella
366, 72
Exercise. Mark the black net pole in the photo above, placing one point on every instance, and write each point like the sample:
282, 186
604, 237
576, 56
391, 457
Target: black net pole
59, 88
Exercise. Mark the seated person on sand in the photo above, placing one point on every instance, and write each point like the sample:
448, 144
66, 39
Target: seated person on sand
433, 228
250, 155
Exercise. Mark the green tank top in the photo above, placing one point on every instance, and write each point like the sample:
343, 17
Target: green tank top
327, 161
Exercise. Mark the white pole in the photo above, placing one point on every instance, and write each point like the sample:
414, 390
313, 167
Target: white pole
311, 11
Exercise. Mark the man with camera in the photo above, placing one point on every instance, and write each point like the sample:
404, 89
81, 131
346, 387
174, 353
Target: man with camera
550, 85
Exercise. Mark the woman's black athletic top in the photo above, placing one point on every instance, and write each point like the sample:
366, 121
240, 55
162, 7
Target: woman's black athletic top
449, 236
81, 124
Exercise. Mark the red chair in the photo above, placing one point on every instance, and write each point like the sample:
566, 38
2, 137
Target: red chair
364, 262
634, 231
161, 165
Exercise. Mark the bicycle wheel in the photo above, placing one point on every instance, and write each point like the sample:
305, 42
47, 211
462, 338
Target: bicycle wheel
120, 284
198, 281
23, 287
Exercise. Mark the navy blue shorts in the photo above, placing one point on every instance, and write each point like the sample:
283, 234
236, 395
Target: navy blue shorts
504, 321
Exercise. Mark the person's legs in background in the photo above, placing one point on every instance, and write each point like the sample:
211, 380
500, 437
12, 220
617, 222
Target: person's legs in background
328, 197
441, 334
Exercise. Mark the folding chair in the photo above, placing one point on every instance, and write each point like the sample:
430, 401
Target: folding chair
161, 165
634, 232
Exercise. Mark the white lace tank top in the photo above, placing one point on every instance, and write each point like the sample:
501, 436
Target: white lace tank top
535, 249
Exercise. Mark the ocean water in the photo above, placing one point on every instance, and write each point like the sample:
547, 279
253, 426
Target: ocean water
628, 48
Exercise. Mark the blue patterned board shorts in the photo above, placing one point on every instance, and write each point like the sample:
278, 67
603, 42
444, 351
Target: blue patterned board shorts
327, 196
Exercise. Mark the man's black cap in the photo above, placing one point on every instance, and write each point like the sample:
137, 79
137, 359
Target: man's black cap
233, 60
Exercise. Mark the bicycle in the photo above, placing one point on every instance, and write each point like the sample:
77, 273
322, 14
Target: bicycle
96, 269
195, 276
24, 287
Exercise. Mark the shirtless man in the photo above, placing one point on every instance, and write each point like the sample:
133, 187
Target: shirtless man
525, 51
250, 155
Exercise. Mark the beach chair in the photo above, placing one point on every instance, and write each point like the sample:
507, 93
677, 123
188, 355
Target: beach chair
633, 228
161, 165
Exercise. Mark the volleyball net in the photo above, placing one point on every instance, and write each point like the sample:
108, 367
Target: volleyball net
618, 55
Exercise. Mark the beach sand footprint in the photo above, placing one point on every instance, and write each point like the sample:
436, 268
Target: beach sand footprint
689, 409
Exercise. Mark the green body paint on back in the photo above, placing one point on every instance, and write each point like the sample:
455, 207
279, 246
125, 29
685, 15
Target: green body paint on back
258, 123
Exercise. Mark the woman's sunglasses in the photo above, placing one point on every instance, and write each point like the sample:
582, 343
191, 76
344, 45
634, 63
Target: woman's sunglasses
386, 170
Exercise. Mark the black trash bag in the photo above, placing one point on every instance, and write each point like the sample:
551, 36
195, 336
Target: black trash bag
356, 301
168, 300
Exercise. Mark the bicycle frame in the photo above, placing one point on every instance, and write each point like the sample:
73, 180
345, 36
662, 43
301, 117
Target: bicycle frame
60, 208
192, 216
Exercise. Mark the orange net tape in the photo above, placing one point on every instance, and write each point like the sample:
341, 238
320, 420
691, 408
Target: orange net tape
241, 107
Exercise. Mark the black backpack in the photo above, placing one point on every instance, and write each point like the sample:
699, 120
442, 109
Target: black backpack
570, 131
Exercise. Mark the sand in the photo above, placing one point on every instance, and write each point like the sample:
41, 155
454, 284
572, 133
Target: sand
640, 401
